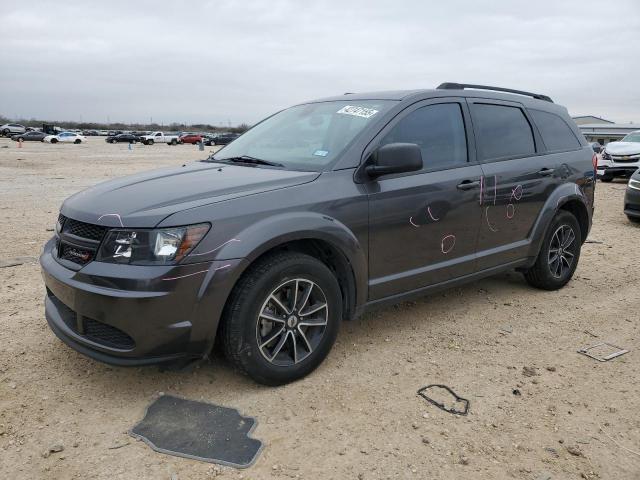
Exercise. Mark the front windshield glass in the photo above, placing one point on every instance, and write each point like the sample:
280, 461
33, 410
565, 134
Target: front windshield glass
632, 137
306, 137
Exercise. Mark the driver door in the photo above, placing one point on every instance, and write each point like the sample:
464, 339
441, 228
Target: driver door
423, 226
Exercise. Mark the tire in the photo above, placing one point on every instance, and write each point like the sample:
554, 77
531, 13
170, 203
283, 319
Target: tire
77, 142
20, 139
302, 346
150, 142
606, 178
547, 274
633, 219
6, 132
54, 140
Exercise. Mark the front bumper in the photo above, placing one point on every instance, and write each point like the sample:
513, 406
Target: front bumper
616, 169
632, 202
137, 315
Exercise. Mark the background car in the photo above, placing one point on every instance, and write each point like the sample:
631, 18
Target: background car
191, 138
620, 159
12, 128
123, 137
65, 137
32, 136
224, 138
632, 198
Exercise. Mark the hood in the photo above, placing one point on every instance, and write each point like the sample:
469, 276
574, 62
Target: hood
145, 199
623, 148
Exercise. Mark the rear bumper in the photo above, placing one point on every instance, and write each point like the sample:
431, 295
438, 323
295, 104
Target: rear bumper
137, 315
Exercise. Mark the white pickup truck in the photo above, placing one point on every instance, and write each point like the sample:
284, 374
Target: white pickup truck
159, 137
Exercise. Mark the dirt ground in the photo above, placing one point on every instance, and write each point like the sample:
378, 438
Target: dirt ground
357, 416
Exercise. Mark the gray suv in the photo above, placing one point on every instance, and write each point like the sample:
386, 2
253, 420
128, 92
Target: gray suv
315, 215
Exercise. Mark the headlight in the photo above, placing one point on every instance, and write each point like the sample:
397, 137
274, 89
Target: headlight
606, 156
150, 247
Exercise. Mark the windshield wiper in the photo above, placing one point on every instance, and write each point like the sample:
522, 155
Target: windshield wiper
247, 160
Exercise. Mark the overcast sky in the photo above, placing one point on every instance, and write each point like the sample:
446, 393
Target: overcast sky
238, 61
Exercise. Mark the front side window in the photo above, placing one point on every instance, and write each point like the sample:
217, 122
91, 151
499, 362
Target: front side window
439, 132
306, 137
556, 134
503, 131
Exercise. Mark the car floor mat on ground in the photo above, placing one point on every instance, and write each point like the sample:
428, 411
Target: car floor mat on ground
198, 430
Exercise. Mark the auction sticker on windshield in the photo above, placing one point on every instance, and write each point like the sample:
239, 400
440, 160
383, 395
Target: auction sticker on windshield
357, 111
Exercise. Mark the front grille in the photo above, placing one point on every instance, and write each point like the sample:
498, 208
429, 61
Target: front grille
78, 241
107, 335
623, 159
83, 230
81, 256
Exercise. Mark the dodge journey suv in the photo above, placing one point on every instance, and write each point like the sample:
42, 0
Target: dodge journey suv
313, 216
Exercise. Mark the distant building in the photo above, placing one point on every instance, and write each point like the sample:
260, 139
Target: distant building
605, 132
586, 119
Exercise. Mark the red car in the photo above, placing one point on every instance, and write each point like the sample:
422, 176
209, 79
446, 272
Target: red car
190, 138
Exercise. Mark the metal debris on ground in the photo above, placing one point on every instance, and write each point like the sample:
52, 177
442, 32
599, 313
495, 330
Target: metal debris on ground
442, 405
14, 262
603, 351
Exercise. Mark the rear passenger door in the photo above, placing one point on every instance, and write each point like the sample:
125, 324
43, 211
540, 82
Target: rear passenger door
517, 179
423, 225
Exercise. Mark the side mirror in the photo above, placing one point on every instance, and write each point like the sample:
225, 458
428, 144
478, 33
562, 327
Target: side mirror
395, 158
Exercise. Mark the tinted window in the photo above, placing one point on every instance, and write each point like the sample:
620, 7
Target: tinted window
502, 131
439, 132
555, 132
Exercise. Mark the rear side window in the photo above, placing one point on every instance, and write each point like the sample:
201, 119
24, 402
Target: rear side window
503, 131
556, 134
439, 132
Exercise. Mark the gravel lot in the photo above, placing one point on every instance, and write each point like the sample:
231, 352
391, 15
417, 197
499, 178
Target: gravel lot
358, 415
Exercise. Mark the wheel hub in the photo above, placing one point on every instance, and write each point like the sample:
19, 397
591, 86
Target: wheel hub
292, 321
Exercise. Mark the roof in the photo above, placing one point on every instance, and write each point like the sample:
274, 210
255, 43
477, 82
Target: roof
602, 120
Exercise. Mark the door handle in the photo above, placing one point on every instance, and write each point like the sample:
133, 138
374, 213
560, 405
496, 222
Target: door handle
468, 184
545, 172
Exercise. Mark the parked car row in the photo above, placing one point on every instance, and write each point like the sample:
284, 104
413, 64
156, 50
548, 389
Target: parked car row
37, 136
172, 139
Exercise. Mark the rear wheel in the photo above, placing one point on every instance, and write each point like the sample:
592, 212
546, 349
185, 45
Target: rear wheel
20, 139
6, 132
54, 140
559, 255
282, 318
77, 141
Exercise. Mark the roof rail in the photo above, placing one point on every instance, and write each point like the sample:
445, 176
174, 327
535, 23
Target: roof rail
462, 86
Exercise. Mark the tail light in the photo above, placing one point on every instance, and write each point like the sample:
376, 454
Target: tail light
594, 161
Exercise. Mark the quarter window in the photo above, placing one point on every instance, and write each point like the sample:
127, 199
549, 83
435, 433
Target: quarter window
439, 132
555, 132
503, 132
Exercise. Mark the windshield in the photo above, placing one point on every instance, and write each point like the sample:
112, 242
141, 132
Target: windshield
306, 137
632, 137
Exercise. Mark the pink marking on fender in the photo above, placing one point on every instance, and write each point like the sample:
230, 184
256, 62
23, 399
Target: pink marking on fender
411, 222
217, 248
486, 214
112, 215
449, 239
513, 211
431, 214
184, 276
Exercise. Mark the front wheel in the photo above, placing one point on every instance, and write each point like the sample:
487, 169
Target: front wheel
6, 132
54, 140
282, 318
77, 141
150, 142
559, 255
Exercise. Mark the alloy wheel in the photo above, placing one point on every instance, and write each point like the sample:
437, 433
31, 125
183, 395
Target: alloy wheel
292, 322
562, 251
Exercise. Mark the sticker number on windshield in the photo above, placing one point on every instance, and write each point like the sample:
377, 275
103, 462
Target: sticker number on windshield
358, 111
